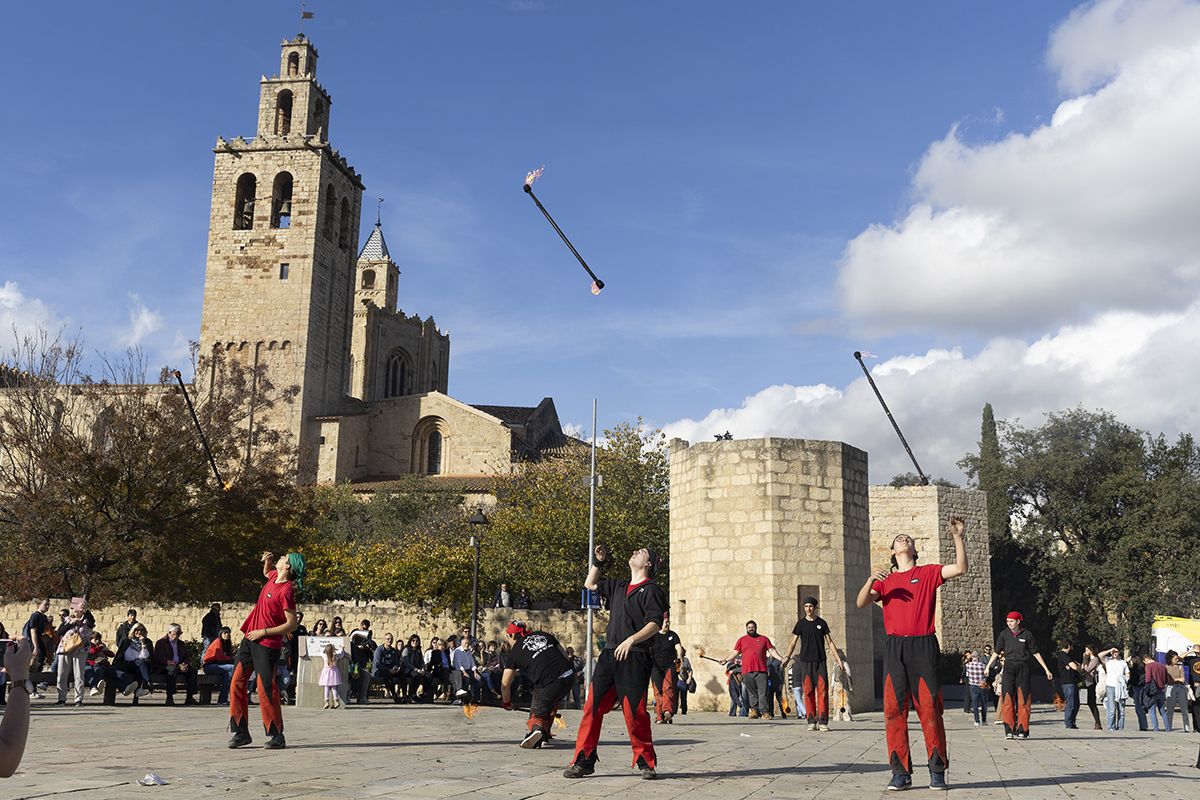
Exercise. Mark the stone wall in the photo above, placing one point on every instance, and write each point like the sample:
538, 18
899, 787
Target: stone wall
964, 610
402, 620
756, 525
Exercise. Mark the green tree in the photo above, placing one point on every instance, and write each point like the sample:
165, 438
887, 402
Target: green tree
105, 489
539, 531
1102, 519
991, 475
913, 479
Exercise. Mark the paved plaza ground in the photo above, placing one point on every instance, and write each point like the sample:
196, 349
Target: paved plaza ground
383, 750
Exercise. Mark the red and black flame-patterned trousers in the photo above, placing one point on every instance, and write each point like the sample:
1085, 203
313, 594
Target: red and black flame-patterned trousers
1016, 702
911, 672
617, 682
252, 656
812, 678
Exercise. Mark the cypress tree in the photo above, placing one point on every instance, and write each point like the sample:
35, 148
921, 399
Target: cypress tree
993, 479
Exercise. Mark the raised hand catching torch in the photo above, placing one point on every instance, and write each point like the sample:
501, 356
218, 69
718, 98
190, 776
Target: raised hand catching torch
597, 284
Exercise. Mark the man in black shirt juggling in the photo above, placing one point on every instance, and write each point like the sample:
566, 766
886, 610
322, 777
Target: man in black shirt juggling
543, 660
622, 673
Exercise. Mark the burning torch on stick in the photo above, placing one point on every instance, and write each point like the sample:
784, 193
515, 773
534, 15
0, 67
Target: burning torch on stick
597, 284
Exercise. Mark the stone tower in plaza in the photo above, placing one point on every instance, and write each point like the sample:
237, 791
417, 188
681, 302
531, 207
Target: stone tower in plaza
282, 245
756, 526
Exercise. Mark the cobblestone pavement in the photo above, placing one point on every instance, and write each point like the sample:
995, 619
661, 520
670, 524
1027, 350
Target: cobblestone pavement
383, 750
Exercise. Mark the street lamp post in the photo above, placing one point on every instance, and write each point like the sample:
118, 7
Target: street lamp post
477, 519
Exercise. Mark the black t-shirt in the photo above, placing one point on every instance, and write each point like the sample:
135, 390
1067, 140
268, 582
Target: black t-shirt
1020, 646
629, 613
1066, 675
664, 645
537, 655
35, 626
812, 635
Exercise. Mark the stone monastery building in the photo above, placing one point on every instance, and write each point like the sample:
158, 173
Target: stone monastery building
283, 286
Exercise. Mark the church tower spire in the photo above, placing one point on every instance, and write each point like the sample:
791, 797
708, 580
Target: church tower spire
283, 235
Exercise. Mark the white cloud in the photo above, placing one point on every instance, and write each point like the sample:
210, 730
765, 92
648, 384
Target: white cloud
1091, 212
143, 321
1139, 366
21, 315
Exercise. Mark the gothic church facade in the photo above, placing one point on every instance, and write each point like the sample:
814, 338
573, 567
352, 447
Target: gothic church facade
287, 287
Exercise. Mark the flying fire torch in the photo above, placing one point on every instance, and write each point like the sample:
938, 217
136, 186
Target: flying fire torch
597, 284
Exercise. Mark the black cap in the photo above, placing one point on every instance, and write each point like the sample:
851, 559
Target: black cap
811, 601
654, 561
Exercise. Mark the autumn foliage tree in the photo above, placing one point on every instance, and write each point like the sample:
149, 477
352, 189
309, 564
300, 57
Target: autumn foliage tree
105, 488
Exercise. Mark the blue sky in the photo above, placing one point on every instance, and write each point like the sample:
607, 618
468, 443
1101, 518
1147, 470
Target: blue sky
712, 161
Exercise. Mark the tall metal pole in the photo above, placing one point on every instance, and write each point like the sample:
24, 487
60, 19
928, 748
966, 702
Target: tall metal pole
591, 613
475, 587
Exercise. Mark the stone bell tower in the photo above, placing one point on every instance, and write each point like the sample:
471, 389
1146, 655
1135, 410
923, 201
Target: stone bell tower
282, 241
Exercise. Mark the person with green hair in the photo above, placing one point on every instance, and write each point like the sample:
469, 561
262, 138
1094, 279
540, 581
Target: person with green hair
273, 618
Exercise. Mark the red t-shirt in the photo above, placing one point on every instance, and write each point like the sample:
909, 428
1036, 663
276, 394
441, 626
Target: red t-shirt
908, 600
273, 600
754, 652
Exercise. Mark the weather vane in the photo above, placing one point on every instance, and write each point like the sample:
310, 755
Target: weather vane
378, 210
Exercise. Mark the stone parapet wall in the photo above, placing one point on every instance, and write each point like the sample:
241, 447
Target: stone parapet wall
402, 620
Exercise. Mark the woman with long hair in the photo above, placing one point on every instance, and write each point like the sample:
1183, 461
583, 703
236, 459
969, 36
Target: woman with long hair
218, 660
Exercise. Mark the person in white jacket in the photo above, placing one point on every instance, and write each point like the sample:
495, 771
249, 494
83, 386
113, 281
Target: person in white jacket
1116, 687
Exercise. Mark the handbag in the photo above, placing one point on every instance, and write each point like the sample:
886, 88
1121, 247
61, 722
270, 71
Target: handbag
71, 641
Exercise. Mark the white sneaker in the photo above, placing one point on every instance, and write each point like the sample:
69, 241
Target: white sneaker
976, 724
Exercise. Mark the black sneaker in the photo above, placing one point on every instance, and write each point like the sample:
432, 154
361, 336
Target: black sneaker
532, 739
648, 773
937, 781
900, 782
276, 742
578, 770
240, 739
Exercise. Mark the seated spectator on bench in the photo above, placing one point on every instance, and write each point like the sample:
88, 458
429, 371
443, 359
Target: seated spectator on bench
218, 660
336, 628
492, 672
412, 660
172, 657
386, 667
98, 664
437, 666
73, 638
134, 661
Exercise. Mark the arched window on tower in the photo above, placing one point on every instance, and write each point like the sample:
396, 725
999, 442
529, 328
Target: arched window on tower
433, 453
281, 201
344, 227
368, 281
293, 65
330, 212
283, 113
243, 204
396, 375
429, 439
